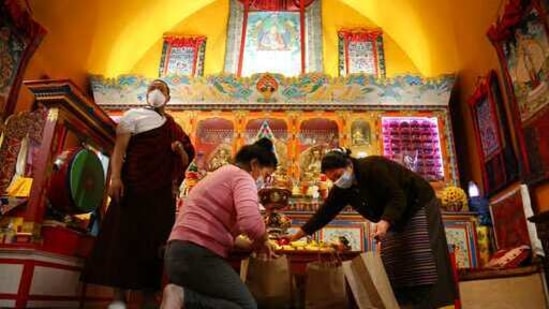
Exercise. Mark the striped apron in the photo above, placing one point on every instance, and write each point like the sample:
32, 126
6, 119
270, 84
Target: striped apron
407, 254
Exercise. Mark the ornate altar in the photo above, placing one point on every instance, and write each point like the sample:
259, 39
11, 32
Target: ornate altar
405, 118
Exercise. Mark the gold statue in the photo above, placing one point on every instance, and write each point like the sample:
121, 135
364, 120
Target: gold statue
221, 157
311, 163
358, 138
315, 162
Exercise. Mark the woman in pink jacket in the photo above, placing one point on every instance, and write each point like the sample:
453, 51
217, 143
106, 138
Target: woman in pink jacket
221, 206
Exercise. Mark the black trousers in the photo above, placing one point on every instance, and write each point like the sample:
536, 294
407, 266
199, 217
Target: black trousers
207, 279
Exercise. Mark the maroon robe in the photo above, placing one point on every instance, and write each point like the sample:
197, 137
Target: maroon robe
127, 253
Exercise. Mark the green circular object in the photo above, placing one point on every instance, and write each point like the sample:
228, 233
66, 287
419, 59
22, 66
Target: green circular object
86, 181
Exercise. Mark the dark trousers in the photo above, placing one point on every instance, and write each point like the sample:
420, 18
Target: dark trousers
207, 279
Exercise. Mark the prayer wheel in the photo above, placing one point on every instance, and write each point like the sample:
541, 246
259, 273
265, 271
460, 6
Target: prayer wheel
77, 182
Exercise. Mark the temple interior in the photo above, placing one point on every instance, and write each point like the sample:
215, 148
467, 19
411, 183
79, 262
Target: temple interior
458, 92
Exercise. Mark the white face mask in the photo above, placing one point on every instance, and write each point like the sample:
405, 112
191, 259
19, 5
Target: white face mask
156, 98
345, 181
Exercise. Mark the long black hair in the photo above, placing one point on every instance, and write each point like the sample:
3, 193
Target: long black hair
262, 150
335, 158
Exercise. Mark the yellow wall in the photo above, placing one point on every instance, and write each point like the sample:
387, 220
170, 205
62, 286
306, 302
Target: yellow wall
422, 28
212, 23
129, 29
64, 50
336, 15
117, 37
476, 58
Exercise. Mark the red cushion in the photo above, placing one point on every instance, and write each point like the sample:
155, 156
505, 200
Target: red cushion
509, 258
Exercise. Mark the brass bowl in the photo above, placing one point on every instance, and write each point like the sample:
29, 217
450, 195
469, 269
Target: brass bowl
274, 198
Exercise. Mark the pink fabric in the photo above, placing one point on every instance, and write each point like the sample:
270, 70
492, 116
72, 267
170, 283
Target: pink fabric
221, 206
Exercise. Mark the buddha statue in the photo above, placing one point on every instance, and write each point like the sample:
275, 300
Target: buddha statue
359, 138
222, 157
313, 168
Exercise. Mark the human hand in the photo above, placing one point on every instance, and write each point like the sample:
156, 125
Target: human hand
178, 148
380, 229
298, 235
267, 249
116, 189
242, 242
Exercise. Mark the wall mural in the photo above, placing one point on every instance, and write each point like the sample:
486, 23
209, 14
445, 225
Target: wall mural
311, 90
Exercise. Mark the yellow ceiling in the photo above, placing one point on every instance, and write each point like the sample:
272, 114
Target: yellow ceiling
123, 31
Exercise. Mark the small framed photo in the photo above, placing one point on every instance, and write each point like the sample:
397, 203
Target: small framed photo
461, 234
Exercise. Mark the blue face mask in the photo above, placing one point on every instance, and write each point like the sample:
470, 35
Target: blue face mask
345, 181
260, 182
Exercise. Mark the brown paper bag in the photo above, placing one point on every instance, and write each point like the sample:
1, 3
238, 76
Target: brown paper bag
325, 286
369, 282
269, 281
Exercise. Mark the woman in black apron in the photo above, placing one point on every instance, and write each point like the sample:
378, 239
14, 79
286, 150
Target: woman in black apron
408, 223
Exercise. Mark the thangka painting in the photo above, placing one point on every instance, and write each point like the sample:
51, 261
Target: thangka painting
488, 129
461, 233
20, 35
520, 38
499, 163
270, 40
182, 56
536, 137
361, 51
509, 219
272, 43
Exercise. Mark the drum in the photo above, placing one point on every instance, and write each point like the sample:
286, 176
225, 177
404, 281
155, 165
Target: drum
77, 183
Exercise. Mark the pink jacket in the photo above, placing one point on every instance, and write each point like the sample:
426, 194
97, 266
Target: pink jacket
221, 206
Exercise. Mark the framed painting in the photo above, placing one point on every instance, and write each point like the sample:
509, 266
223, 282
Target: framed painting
509, 219
536, 143
182, 56
461, 234
355, 235
278, 37
20, 35
520, 37
272, 36
354, 227
361, 51
495, 148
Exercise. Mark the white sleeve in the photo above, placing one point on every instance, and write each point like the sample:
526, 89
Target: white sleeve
128, 122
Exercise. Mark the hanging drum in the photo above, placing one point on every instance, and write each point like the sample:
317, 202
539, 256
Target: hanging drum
77, 182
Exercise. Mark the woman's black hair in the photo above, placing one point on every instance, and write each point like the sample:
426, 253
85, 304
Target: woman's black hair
335, 158
262, 150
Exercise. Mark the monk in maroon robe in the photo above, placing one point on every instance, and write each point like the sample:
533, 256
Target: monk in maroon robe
149, 159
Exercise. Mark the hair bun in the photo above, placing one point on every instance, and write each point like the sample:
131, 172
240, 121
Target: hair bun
341, 150
265, 143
